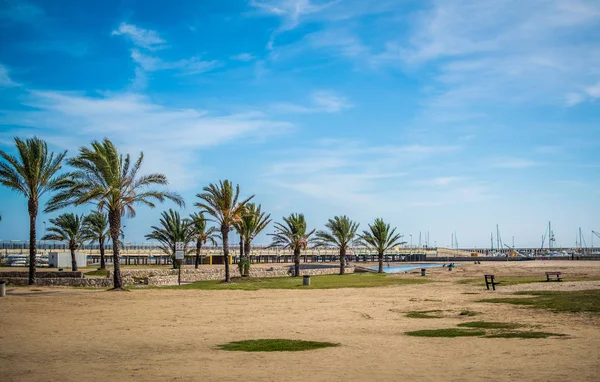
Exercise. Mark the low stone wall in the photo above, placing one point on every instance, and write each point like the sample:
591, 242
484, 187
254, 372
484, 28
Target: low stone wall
170, 276
42, 274
94, 282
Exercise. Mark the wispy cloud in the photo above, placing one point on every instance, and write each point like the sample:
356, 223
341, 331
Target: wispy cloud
243, 57
322, 101
5, 80
143, 38
505, 51
339, 172
20, 11
169, 136
194, 65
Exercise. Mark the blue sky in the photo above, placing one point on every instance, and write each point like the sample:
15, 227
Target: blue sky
439, 116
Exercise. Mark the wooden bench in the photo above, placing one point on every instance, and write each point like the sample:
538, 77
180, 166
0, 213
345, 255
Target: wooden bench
489, 280
557, 274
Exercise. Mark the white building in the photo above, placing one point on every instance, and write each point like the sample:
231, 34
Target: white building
63, 259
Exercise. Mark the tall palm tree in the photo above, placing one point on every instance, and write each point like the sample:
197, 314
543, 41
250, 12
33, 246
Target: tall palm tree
221, 202
97, 229
292, 235
172, 229
341, 233
32, 173
201, 233
253, 222
110, 180
381, 238
70, 229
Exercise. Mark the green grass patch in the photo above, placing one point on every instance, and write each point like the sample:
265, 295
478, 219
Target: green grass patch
97, 272
469, 313
275, 345
575, 301
355, 280
423, 314
446, 333
524, 335
489, 325
515, 280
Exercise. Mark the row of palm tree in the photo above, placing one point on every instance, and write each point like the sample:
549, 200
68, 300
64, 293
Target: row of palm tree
111, 182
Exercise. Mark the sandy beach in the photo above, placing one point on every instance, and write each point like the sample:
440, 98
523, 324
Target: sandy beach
71, 334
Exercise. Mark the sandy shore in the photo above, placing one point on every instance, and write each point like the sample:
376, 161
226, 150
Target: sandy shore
73, 334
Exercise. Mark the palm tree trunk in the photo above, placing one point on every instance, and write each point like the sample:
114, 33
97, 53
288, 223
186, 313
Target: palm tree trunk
225, 236
380, 254
247, 257
102, 261
342, 261
33, 210
114, 220
198, 249
296, 262
73, 259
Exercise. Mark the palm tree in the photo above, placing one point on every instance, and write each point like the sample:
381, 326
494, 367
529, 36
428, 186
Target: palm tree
31, 173
341, 233
97, 228
253, 222
172, 229
201, 233
381, 238
110, 180
70, 229
292, 235
221, 202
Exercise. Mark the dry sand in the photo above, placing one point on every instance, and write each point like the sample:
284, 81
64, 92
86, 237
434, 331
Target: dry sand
72, 334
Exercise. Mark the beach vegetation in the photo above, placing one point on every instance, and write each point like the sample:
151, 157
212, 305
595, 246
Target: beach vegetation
111, 181
356, 280
33, 173
222, 202
451, 332
380, 237
292, 234
424, 314
270, 345
70, 229
201, 234
489, 325
97, 229
252, 222
172, 229
556, 301
526, 335
340, 233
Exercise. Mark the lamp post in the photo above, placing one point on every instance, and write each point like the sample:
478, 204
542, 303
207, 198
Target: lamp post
411, 240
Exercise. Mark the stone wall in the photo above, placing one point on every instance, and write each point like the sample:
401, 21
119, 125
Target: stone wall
94, 282
156, 277
42, 274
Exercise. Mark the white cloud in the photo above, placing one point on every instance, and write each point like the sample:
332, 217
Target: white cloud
322, 101
194, 65
339, 173
290, 11
170, 137
143, 38
5, 80
243, 57
507, 51
594, 91
572, 99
